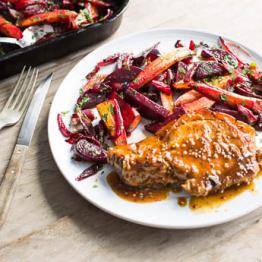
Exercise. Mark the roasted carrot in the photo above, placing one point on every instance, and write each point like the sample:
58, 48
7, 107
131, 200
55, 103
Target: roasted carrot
58, 16
8, 29
182, 85
167, 101
228, 97
199, 104
107, 114
188, 97
160, 65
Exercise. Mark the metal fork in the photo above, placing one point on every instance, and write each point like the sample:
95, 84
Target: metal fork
20, 97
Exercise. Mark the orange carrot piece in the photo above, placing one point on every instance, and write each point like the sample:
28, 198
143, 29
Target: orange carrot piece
188, 97
159, 65
199, 104
57, 16
8, 29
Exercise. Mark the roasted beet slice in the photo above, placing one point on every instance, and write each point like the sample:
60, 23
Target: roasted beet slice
209, 69
91, 98
250, 117
147, 107
89, 152
122, 75
221, 56
155, 126
90, 171
181, 71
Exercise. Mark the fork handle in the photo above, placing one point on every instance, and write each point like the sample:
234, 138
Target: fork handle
8, 184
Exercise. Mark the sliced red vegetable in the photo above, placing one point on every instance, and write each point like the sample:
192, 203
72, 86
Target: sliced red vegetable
100, 3
22, 4
120, 129
107, 61
162, 87
90, 171
130, 115
181, 71
160, 65
192, 45
89, 152
8, 29
199, 104
156, 126
227, 48
220, 55
63, 129
209, 69
147, 107
228, 97
248, 114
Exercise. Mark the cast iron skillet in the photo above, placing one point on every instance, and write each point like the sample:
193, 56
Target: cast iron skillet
13, 62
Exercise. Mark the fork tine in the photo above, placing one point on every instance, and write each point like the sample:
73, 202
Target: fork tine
25, 101
15, 88
22, 89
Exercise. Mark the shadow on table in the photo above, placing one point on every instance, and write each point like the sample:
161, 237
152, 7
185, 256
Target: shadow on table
64, 201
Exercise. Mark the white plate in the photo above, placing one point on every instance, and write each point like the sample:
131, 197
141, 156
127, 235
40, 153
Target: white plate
163, 214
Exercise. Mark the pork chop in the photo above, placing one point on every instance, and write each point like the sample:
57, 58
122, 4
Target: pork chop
203, 152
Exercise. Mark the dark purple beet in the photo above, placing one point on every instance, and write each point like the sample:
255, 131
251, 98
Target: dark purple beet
90, 152
122, 75
90, 171
155, 126
250, 117
222, 108
181, 71
146, 107
221, 56
91, 98
209, 69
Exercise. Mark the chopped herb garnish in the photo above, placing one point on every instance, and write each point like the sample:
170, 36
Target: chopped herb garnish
84, 100
111, 109
81, 91
64, 113
104, 117
223, 98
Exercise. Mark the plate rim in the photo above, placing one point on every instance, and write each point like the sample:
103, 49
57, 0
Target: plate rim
101, 207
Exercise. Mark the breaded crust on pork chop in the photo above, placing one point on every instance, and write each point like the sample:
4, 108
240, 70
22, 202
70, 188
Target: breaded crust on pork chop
204, 152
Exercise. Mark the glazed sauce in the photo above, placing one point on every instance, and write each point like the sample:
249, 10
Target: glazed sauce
138, 195
147, 195
215, 200
182, 201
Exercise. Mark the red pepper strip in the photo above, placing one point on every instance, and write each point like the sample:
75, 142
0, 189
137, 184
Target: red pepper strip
161, 87
9, 29
228, 97
22, 4
227, 48
100, 3
120, 130
57, 16
65, 132
107, 61
160, 65
192, 45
